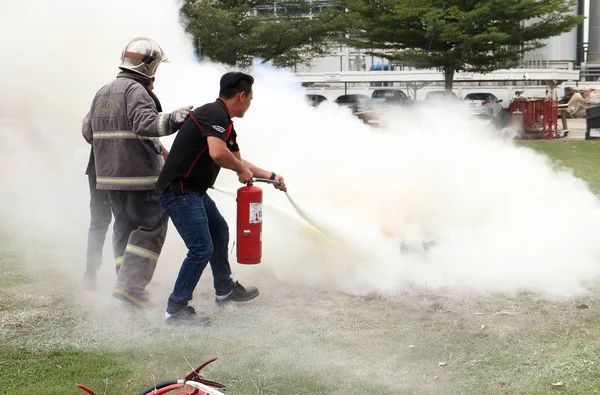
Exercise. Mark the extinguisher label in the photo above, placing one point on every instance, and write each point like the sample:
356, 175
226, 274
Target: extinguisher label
255, 213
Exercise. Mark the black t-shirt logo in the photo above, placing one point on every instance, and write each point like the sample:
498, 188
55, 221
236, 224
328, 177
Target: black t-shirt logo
219, 129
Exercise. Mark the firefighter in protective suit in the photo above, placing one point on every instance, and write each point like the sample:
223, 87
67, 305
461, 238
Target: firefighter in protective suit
124, 125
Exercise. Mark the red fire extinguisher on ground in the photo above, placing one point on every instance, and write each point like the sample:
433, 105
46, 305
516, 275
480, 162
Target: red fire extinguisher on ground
249, 222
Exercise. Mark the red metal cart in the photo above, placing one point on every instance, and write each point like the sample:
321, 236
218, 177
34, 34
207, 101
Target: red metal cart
537, 118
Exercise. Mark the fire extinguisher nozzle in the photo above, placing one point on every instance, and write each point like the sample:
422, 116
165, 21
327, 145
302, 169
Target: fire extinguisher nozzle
265, 180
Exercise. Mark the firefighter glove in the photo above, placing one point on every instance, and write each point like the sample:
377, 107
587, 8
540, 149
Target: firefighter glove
179, 116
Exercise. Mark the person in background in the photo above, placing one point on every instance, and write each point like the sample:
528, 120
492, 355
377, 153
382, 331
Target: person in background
594, 97
568, 94
577, 105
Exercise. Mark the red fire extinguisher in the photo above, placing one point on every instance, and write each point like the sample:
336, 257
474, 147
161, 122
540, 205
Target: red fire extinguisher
249, 222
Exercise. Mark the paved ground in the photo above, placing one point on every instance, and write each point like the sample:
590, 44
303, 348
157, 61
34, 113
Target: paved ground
576, 128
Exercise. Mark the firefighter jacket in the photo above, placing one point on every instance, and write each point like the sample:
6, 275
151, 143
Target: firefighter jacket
124, 127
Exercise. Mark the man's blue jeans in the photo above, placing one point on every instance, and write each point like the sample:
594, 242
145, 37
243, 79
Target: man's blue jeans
206, 235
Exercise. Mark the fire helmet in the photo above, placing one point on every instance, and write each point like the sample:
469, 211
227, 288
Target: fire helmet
142, 55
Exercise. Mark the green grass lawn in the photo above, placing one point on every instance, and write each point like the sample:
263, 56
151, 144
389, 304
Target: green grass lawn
580, 155
303, 342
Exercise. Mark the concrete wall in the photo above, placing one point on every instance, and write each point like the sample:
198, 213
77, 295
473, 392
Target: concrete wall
594, 34
559, 52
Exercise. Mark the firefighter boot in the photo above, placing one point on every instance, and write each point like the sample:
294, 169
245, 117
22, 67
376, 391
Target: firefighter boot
135, 299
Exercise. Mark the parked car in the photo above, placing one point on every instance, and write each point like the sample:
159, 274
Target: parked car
440, 95
351, 100
315, 100
364, 104
390, 97
482, 104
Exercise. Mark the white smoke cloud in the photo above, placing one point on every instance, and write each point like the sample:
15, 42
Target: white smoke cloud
501, 217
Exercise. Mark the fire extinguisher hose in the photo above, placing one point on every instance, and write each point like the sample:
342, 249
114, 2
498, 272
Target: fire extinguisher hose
296, 207
305, 216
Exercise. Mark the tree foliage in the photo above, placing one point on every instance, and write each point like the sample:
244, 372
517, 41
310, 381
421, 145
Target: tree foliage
236, 31
455, 35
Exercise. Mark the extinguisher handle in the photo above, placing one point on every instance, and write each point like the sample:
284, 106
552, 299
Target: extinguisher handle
265, 180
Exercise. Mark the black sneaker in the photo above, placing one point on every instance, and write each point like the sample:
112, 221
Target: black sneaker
136, 299
89, 280
188, 316
239, 294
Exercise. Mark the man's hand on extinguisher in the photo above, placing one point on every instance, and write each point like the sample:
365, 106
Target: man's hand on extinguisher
281, 186
245, 176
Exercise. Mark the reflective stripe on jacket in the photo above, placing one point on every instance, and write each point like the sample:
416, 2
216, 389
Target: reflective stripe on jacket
124, 127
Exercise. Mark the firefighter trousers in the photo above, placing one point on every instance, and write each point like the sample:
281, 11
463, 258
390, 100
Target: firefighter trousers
100, 217
139, 233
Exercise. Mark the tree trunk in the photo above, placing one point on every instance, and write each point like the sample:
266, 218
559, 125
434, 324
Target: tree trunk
448, 78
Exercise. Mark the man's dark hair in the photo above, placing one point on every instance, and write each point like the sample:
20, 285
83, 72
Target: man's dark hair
235, 82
